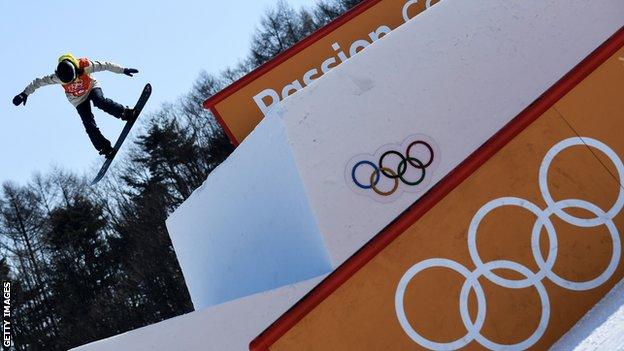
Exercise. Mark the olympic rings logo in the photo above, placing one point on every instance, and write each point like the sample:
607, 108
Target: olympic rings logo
534, 279
391, 168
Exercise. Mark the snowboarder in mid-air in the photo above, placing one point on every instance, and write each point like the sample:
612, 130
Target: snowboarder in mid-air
81, 89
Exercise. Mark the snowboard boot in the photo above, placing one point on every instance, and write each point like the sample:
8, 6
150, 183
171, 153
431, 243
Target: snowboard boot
108, 152
128, 115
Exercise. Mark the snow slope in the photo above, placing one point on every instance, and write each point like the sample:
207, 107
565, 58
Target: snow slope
601, 329
229, 326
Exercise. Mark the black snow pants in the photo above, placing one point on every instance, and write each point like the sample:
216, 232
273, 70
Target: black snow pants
88, 120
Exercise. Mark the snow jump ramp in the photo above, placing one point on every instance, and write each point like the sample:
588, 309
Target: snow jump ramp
456, 185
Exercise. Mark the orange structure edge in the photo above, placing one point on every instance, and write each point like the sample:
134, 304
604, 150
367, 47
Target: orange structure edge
437, 193
225, 127
279, 59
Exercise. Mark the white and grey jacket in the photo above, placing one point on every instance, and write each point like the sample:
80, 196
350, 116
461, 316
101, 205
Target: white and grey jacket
94, 66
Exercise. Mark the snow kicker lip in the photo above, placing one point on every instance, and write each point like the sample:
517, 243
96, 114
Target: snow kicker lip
396, 168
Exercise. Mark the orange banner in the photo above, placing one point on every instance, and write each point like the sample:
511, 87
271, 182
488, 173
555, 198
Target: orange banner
242, 105
531, 238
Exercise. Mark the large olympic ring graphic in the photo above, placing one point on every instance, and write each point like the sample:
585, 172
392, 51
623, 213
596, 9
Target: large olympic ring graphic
533, 279
399, 174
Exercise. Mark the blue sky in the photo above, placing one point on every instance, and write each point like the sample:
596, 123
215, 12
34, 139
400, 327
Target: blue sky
170, 42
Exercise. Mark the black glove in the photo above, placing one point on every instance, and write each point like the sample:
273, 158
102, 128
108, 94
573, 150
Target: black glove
130, 71
20, 99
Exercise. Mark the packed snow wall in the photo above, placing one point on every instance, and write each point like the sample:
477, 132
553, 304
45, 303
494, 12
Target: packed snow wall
440, 86
601, 328
249, 227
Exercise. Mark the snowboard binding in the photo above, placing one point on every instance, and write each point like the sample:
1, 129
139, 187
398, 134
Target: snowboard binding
108, 152
129, 115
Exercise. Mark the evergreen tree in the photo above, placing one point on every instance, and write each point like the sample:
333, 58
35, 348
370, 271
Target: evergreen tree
81, 270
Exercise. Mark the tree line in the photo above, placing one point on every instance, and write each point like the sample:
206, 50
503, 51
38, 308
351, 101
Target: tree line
87, 263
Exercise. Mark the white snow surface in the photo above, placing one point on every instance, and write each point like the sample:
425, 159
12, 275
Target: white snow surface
602, 328
229, 326
249, 227
280, 209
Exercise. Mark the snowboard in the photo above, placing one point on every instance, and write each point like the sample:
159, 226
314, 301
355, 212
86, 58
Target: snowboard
147, 91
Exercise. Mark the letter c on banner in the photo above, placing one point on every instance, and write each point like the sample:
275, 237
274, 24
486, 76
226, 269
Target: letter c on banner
408, 4
328, 65
309, 76
259, 99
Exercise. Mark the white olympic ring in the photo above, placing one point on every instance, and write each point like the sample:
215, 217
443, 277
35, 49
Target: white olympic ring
543, 181
530, 278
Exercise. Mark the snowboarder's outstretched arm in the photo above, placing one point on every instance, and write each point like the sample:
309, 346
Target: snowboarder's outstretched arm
94, 66
34, 85
99, 66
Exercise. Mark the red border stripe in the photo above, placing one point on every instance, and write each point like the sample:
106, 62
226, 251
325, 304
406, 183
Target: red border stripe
437, 193
225, 127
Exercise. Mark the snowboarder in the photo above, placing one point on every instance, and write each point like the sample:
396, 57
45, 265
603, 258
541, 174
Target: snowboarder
81, 89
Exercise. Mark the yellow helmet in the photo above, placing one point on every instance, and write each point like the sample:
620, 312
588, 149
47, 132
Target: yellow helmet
69, 57
67, 68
